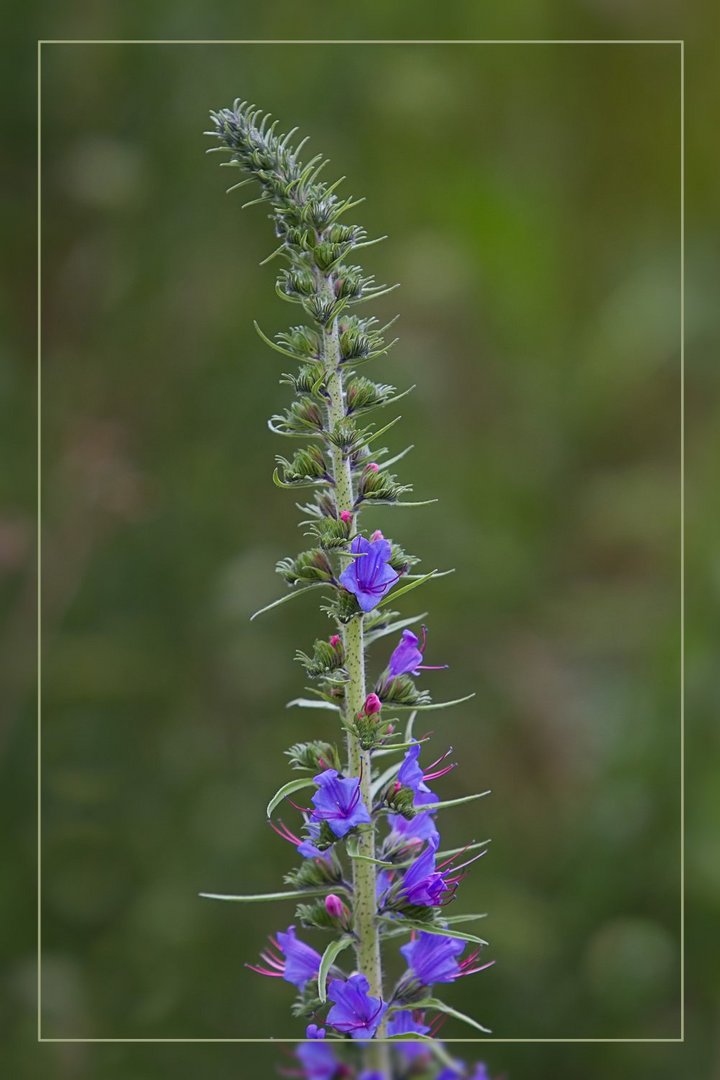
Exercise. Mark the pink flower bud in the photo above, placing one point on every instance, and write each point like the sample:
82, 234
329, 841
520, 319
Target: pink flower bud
334, 906
372, 467
335, 640
346, 516
390, 729
373, 704
377, 535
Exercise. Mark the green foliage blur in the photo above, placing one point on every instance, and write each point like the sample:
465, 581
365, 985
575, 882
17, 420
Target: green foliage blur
531, 195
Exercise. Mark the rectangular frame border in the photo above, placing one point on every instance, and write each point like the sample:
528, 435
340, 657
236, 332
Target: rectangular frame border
363, 41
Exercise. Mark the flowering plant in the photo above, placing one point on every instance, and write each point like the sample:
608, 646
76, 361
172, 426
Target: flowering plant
372, 872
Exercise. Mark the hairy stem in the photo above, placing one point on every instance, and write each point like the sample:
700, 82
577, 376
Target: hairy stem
367, 948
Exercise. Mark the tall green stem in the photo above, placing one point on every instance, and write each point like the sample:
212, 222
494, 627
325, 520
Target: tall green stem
367, 947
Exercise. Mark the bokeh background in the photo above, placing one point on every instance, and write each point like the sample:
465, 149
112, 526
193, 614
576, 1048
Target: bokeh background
531, 194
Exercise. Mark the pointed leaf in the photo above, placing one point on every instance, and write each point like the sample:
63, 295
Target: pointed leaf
398, 457
328, 958
437, 574
461, 850
440, 1006
399, 746
288, 596
296, 483
392, 628
395, 593
273, 344
381, 431
454, 919
454, 802
309, 703
296, 894
434, 704
404, 502
433, 928
288, 789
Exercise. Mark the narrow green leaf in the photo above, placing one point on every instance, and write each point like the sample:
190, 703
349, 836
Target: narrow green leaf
396, 397
395, 593
352, 848
273, 344
381, 431
459, 850
288, 596
453, 919
437, 573
309, 434
434, 704
435, 1003
288, 789
402, 925
243, 183
398, 746
392, 628
455, 802
328, 958
297, 484
398, 457
404, 502
296, 894
309, 703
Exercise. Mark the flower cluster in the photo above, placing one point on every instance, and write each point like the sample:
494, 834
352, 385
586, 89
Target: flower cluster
372, 875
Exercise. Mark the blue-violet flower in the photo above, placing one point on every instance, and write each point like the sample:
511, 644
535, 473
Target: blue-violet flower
406, 658
369, 576
355, 1011
289, 959
338, 801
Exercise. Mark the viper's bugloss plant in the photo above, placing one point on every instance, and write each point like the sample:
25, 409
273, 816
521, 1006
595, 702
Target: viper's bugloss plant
373, 877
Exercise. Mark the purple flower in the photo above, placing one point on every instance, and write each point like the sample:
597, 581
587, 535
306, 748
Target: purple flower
430, 886
317, 1057
289, 959
406, 659
405, 1022
421, 827
355, 1012
432, 958
422, 884
369, 576
338, 801
410, 774
305, 847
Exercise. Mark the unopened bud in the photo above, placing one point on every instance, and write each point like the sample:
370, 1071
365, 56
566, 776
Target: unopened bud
346, 516
377, 535
334, 906
372, 705
372, 467
335, 640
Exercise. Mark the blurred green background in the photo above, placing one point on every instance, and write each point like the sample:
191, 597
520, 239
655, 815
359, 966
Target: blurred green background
531, 194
